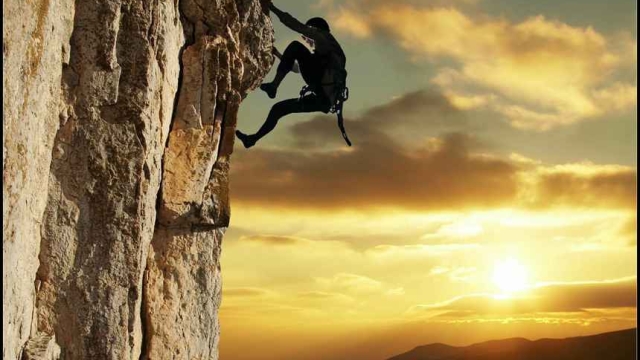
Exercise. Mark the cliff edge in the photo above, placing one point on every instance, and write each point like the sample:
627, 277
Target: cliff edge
119, 121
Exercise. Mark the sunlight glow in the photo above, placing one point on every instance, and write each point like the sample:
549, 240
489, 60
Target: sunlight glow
461, 229
510, 276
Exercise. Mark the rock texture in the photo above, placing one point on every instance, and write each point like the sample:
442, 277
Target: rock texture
35, 44
118, 129
41, 347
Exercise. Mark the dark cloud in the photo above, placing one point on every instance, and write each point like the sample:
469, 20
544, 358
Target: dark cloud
272, 239
377, 172
408, 118
589, 295
554, 298
414, 153
606, 189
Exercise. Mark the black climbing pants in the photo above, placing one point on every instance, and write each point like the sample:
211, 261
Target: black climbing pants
312, 71
312, 67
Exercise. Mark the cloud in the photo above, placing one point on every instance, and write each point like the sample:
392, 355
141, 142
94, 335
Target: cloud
630, 231
323, 297
547, 298
538, 73
256, 311
582, 296
384, 169
352, 283
246, 292
377, 172
458, 274
352, 23
408, 117
585, 185
273, 240
404, 252
395, 292
459, 229
416, 259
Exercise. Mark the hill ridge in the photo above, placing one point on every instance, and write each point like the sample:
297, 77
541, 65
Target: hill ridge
618, 345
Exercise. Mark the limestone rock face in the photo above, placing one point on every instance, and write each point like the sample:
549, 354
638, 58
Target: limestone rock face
35, 44
118, 129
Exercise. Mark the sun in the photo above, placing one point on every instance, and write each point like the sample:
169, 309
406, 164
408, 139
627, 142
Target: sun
510, 276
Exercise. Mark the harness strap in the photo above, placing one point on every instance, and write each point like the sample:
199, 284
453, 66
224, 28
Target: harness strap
336, 108
341, 126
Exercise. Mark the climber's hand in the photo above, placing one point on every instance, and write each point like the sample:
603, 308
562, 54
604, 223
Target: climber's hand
266, 5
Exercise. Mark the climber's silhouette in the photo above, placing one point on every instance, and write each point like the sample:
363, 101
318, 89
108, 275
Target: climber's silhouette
323, 70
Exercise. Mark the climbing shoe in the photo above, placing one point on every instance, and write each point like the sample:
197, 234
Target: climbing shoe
247, 140
270, 89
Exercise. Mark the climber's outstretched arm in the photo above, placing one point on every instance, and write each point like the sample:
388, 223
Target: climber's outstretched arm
295, 25
291, 22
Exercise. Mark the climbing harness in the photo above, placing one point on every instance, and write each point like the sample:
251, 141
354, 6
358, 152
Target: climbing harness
341, 95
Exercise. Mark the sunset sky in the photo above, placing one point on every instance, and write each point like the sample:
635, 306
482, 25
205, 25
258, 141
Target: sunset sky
490, 191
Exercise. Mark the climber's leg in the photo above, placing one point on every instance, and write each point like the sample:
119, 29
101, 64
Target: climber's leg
312, 70
294, 52
310, 103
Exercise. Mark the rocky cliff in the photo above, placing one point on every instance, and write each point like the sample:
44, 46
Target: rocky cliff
119, 120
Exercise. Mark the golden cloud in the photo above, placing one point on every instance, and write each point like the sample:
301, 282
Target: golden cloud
547, 298
352, 283
274, 240
405, 252
630, 231
246, 292
585, 185
540, 73
325, 296
458, 274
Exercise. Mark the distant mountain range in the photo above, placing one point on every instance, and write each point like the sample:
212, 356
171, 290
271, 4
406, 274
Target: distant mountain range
618, 345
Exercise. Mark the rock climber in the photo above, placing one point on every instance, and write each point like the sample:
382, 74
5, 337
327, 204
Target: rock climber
323, 70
